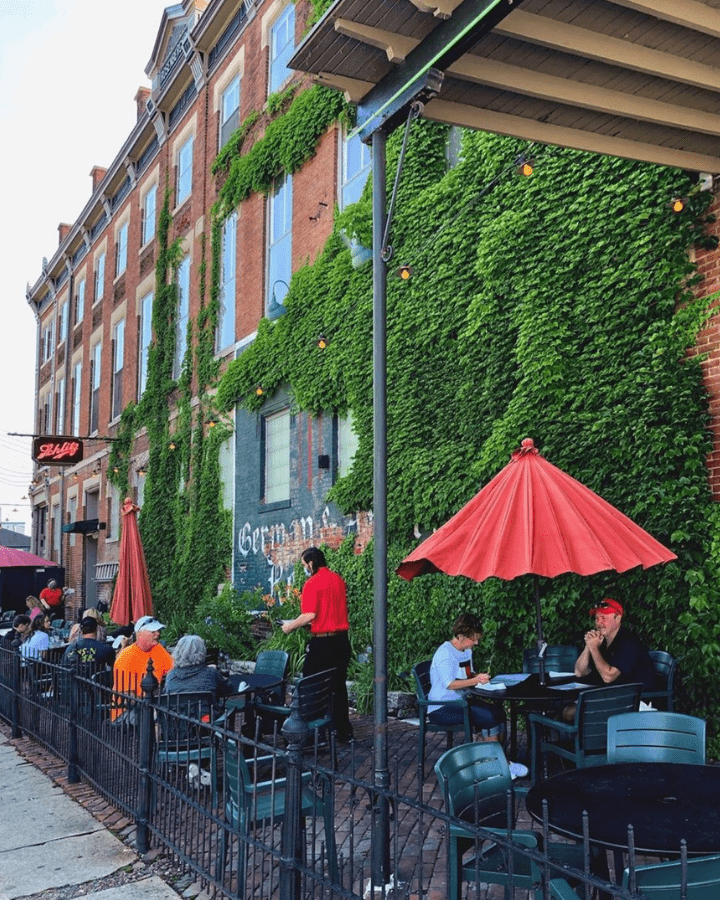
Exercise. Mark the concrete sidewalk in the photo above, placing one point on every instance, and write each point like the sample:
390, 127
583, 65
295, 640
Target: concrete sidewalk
48, 841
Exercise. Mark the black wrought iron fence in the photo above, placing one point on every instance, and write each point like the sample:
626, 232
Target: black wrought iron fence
264, 819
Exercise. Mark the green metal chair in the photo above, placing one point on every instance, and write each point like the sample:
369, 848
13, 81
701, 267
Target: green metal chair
183, 738
666, 669
656, 737
251, 804
586, 737
664, 881
558, 658
421, 674
476, 786
314, 694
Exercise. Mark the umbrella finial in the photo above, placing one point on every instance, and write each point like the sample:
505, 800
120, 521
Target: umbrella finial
527, 445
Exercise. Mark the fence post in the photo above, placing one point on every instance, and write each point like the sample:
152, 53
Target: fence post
295, 731
15, 701
73, 758
146, 735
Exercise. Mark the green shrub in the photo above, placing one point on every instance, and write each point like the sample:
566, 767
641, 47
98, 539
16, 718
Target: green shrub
224, 622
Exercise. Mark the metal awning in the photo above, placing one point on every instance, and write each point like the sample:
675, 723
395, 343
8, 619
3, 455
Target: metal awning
632, 78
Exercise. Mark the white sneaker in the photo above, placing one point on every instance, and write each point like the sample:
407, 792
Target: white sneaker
517, 770
193, 773
206, 779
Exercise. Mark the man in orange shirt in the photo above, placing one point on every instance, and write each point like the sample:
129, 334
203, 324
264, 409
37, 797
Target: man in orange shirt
323, 606
131, 663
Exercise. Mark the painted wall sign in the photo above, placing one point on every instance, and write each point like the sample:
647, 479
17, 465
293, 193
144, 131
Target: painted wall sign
57, 451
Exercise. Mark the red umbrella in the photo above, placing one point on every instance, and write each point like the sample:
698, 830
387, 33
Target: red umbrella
132, 598
11, 557
533, 518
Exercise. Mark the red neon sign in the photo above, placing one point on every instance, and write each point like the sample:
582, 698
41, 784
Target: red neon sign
57, 451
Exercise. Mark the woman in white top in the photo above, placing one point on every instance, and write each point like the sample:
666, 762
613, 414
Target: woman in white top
36, 640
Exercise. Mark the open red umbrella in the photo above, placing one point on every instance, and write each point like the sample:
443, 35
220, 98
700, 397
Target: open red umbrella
533, 518
132, 598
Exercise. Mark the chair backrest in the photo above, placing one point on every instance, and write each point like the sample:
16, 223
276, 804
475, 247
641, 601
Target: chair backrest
558, 658
663, 881
421, 674
273, 662
179, 718
656, 736
595, 707
475, 780
665, 668
315, 693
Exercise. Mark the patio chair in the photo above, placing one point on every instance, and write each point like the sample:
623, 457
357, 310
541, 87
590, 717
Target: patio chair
421, 674
666, 669
184, 739
558, 658
314, 693
476, 786
663, 881
656, 737
251, 804
270, 662
587, 736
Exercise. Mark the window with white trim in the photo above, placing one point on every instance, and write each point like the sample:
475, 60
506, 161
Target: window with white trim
282, 45
59, 405
76, 390
229, 111
279, 241
145, 332
355, 166
63, 324
121, 249
183, 309
118, 366
95, 372
56, 530
48, 341
225, 335
149, 214
184, 171
277, 457
226, 462
99, 277
80, 302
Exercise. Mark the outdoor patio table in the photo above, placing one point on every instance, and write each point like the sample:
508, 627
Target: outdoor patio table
526, 689
664, 802
253, 684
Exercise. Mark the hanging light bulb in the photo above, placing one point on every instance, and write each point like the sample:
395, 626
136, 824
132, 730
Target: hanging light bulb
171, 445
259, 390
322, 342
404, 273
678, 204
525, 165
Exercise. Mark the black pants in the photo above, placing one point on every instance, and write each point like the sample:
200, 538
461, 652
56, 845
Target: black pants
333, 653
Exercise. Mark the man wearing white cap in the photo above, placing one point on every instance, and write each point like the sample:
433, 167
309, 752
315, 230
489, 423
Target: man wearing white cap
131, 663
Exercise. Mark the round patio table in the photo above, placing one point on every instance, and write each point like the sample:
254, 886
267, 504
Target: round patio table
664, 802
253, 683
556, 692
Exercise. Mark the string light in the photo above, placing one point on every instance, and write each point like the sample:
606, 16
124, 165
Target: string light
322, 342
525, 165
259, 390
404, 273
171, 445
678, 204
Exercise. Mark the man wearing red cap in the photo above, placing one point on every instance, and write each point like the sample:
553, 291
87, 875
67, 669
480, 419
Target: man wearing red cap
613, 654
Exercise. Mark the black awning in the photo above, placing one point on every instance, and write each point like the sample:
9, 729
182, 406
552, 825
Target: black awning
84, 526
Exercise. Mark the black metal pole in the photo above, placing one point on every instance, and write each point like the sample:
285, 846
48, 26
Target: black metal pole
146, 737
71, 681
381, 816
16, 688
296, 731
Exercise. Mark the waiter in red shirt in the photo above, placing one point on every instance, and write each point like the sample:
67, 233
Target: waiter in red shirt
51, 598
323, 606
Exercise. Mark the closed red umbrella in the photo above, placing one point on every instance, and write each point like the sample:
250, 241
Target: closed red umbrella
533, 518
132, 598
11, 557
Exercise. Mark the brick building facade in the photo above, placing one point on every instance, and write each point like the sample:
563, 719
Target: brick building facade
211, 65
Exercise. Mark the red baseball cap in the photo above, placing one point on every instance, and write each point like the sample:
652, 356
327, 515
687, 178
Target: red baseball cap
607, 607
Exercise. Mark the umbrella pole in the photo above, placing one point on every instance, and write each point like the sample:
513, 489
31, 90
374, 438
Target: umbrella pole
541, 645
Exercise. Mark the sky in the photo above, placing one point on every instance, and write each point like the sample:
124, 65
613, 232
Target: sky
69, 72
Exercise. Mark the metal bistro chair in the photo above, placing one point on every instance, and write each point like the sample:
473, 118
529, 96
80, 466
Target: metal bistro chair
421, 673
666, 669
476, 786
656, 737
250, 804
587, 735
558, 658
183, 737
271, 662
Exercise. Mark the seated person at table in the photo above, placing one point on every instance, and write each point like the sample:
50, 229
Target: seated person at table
191, 674
451, 674
613, 654
36, 639
87, 652
53, 599
20, 625
34, 607
92, 612
131, 662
